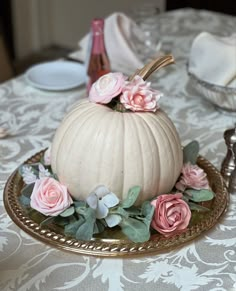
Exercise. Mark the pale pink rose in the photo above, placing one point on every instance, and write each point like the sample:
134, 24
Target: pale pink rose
172, 214
192, 177
106, 87
50, 197
138, 96
47, 157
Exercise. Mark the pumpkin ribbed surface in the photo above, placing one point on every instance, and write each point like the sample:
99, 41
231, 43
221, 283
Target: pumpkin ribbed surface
95, 145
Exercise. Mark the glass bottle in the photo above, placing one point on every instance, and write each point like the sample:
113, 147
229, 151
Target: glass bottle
98, 64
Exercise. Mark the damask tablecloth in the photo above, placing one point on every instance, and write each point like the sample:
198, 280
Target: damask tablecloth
208, 263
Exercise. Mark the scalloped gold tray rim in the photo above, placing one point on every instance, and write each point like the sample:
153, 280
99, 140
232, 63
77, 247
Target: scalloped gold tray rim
115, 247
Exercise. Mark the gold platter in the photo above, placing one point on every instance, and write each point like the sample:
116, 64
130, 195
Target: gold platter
111, 246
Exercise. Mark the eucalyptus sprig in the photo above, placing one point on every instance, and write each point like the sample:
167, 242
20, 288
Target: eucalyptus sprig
134, 221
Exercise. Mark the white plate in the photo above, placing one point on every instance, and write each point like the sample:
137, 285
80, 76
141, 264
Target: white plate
56, 75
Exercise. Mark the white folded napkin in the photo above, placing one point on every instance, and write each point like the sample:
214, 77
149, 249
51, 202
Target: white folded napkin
117, 32
213, 59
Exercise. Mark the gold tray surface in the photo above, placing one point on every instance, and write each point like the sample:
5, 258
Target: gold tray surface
110, 246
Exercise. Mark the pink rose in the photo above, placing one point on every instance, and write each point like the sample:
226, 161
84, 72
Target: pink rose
172, 214
106, 87
50, 197
138, 96
192, 177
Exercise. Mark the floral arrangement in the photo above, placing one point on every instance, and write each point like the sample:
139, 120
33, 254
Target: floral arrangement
168, 214
136, 95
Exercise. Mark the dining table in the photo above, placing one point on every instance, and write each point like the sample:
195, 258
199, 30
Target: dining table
32, 116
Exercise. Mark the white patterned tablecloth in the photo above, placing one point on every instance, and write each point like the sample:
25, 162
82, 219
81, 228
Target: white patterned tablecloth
208, 263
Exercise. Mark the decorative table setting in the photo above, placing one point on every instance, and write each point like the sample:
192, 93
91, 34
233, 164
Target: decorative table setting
203, 257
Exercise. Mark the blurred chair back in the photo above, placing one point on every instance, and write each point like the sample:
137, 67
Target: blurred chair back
6, 69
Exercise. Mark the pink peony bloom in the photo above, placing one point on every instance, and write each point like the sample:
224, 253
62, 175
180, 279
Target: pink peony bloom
138, 96
192, 177
172, 214
50, 197
106, 87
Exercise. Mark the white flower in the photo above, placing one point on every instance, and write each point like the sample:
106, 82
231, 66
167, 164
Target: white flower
43, 172
28, 175
101, 199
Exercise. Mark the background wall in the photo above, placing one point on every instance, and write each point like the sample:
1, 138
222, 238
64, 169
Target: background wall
41, 23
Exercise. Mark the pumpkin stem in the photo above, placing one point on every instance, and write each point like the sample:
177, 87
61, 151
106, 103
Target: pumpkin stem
153, 66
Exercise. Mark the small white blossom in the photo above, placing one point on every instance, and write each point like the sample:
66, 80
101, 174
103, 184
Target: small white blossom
28, 174
101, 199
43, 172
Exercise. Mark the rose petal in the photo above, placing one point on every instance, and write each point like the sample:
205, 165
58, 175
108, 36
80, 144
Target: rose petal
110, 200
113, 220
102, 210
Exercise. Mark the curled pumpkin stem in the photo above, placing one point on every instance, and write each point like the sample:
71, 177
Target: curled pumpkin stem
153, 66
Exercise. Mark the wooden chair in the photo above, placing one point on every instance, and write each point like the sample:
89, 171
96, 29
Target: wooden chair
6, 69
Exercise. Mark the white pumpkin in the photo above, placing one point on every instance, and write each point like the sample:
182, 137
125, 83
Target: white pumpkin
95, 145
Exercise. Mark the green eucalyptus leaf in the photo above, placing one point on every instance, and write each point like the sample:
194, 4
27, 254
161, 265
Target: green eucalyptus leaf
134, 211
80, 203
100, 225
135, 230
71, 218
68, 212
80, 209
87, 212
20, 169
197, 207
71, 228
25, 201
48, 220
200, 195
35, 166
27, 190
132, 196
147, 209
185, 197
120, 211
62, 221
95, 228
85, 231
190, 152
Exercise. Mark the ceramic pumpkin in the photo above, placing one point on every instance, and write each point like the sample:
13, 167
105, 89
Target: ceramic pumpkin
95, 145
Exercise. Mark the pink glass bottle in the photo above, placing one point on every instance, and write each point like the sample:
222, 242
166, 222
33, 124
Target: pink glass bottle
98, 64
